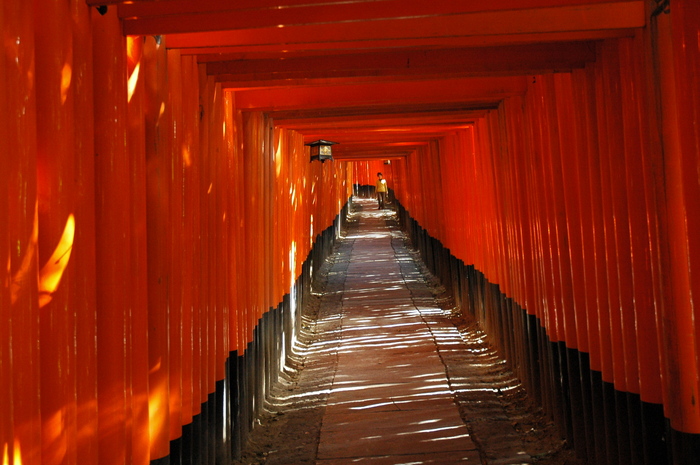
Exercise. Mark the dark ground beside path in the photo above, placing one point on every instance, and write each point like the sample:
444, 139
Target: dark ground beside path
504, 417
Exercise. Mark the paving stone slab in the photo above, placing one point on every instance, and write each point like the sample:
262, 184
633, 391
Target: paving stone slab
391, 396
399, 383
437, 458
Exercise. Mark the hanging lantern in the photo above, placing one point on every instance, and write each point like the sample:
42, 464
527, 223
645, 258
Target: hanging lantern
321, 150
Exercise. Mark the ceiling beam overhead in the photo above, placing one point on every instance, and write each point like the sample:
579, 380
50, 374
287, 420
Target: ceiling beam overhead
474, 91
477, 61
257, 13
384, 78
396, 127
320, 49
462, 119
186, 16
367, 140
457, 110
559, 21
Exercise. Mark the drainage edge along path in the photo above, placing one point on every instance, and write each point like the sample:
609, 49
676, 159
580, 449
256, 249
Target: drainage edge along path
383, 375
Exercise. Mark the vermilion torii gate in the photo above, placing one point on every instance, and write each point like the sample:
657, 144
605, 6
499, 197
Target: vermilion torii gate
163, 221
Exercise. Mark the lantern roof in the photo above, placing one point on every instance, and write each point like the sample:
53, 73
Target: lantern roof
321, 142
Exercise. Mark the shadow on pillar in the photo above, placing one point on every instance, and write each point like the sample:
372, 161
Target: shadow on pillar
604, 425
218, 434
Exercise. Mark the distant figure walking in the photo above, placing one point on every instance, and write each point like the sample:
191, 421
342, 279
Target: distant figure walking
382, 190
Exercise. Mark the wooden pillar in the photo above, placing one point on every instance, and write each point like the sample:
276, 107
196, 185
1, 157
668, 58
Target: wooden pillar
139, 252
157, 226
191, 160
677, 331
113, 239
83, 256
22, 318
57, 189
173, 162
6, 427
685, 17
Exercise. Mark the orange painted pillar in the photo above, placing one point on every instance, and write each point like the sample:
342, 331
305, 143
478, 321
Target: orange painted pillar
244, 269
686, 53
157, 158
83, 256
206, 207
113, 222
569, 158
236, 230
678, 336
600, 326
258, 147
207, 187
498, 186
25, 443
532, 300
526, 294
623, 300
231, 230
173, 133
252, 232
139, 249
290, 143
268, 196
234, 284
200, 190
589, 211
558, 222
221, 244
279, 237
642, 213
57, 191
237, 193
542, 206
6, 427
610, 311
190, 162
211, 242
199, 317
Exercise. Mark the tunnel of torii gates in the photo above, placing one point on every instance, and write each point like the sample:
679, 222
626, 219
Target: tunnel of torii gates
164, 220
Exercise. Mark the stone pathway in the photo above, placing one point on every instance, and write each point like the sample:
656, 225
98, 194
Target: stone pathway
390, 399
388, 377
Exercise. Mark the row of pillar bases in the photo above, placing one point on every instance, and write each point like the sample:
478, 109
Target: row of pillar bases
219, 432
602, 424
605, 426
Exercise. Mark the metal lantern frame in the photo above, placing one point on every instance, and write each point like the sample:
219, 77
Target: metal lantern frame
321, 150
